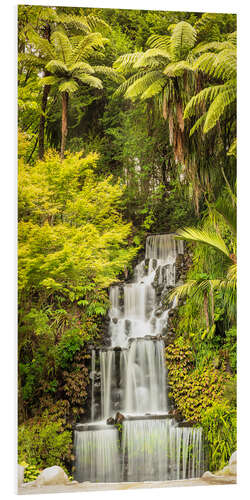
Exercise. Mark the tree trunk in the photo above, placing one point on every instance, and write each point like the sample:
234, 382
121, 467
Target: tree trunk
65, 99
46, 35
42, 121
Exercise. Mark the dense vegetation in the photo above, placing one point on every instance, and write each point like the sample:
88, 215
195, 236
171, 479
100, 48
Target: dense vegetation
127, 125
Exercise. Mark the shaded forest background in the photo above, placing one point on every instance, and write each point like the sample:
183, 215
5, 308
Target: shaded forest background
127, 126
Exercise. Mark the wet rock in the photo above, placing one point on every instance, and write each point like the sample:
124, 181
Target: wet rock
227, 474
119, 418
115, 320
110, 421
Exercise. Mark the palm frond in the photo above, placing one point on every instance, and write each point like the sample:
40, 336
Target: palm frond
202, 236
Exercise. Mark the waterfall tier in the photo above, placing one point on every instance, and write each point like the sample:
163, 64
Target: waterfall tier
133, 380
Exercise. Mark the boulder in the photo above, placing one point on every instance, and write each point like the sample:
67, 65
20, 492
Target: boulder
50, 476
233, 459
20, 475
225, 475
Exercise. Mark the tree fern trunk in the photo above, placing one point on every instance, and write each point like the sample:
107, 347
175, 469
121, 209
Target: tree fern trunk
42, 121
65, 99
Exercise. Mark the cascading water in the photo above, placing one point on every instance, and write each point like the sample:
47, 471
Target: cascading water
134, 381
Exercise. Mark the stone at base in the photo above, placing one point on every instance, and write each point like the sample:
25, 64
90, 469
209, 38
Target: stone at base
20, 475
50, 476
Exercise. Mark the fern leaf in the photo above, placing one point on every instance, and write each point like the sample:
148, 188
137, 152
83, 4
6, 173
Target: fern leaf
183, 38
109, 72
140, 86
125, 63
62, 45
159, 42
216, 109
69, 86
177, 68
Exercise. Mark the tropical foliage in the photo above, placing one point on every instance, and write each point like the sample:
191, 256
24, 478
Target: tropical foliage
127, 126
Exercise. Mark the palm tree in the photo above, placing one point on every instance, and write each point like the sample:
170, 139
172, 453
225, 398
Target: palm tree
68, 69
163, 71
218, 60
204, 285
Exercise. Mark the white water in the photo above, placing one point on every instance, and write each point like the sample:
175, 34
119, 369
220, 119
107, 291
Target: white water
134, 381
159, 450
98, 457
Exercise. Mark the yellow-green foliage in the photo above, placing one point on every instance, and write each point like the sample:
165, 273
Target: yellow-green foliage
220, 429
71, 235
193, 389
44, 441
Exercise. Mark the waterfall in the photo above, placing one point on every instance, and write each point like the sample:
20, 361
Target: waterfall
134, 382
145, 390
97, 455
158, 450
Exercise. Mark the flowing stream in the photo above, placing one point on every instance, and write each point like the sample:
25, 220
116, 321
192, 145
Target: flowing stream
150, 446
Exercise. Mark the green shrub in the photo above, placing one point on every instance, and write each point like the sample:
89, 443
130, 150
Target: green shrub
220, 432
31, 472
44, 441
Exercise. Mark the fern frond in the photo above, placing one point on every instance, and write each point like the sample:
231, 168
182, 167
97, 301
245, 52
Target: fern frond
140, 86
91, 80
31, 61
97, 24
41, 44
48, 80
109, 72
206, 95
154, 89
69, 86
198, 124
183, 38
76, 22
93, 40
150, 56
233, 148
216, 109
125, 63
81, 66
56, 66
125, 85
62, 45
177, 68
159, 42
